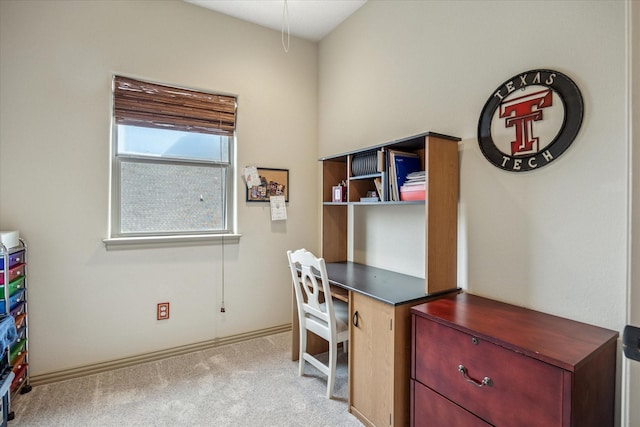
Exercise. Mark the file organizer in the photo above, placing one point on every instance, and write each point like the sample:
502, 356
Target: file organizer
13, 302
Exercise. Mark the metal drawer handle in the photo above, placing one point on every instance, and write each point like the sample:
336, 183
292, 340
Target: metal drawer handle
354, 319
486, 381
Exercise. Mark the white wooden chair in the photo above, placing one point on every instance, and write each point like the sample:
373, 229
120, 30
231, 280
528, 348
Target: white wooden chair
328, 320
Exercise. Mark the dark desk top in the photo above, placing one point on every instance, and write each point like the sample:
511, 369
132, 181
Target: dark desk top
384, 285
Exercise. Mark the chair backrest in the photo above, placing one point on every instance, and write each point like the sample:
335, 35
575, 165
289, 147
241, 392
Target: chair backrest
312, 313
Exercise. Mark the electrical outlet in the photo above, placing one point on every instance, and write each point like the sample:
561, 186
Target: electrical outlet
163, 310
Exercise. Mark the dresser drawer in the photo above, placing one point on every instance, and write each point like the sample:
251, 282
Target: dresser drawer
17, 348
429, 409
14, 259
14, 286
19, 361
19, 379
14, 300
18, 309
14, 273
520, 390
20, 320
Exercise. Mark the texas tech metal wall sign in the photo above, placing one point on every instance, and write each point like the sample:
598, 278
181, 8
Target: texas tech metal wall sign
530, 120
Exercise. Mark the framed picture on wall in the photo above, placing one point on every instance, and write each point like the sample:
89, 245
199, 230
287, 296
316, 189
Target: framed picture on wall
273, 182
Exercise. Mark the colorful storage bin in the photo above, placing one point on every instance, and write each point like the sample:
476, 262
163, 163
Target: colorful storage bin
14, 273
14, 287
14, 259
16, 350
18, 309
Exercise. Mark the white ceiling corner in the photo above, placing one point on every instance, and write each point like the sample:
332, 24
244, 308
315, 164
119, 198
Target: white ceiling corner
308, 19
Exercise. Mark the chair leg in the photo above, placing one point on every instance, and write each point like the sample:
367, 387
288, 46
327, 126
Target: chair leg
333, 361
302, 350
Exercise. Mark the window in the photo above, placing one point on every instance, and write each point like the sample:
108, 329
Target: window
172, 164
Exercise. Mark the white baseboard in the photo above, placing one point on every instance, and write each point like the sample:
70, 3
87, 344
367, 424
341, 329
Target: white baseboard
95, 368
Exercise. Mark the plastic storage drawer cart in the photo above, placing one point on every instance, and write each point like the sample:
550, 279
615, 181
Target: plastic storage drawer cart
13, 305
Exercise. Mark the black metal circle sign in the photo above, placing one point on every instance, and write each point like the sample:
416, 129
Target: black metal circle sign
530, 120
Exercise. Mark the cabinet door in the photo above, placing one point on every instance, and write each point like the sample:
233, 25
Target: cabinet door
371, 360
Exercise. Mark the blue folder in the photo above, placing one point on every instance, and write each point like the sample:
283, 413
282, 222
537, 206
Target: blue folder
404, 165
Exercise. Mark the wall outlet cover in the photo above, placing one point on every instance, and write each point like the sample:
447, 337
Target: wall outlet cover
163, 311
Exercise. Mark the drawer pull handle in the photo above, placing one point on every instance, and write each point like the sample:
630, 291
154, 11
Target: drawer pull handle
354, 319
486, 381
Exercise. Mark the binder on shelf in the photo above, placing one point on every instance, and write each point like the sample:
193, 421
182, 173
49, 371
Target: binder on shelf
380, 159
401, 164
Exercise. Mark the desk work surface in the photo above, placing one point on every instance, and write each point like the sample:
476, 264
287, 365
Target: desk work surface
384, 285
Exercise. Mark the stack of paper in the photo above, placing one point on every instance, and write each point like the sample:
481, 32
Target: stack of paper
417, 179
414, 187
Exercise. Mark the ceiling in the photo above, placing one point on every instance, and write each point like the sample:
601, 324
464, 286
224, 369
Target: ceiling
308, 19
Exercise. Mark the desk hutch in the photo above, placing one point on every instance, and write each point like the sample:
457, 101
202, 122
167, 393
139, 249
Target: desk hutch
439, 156
379, 300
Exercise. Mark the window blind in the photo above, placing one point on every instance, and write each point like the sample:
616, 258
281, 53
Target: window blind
140, 103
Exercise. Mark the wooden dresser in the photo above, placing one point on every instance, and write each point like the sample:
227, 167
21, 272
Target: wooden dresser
479, 362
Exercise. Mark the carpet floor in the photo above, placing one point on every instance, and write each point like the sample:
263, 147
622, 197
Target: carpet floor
251, 383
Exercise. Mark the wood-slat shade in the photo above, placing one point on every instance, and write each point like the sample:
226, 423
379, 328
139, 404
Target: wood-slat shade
153, 105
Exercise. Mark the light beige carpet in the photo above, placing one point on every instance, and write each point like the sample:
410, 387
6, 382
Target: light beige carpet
252, 383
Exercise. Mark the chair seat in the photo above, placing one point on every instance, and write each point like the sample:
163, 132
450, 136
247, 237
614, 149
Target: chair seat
341, 310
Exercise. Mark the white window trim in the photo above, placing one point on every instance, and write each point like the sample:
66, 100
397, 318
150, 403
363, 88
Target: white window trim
150, 242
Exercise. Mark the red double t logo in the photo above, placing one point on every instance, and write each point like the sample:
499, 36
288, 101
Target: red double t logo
520, 113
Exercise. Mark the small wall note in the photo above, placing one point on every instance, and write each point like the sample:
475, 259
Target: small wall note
251, 176
278, 208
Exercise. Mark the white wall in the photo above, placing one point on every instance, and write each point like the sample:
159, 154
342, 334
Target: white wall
555, 239
88, 305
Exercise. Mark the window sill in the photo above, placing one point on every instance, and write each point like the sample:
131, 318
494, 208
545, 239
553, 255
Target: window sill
119, 243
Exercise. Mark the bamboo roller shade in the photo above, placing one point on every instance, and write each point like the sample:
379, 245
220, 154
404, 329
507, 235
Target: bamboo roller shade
153, 105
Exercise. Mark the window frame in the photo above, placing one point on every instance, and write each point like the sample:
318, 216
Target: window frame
119, 240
